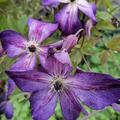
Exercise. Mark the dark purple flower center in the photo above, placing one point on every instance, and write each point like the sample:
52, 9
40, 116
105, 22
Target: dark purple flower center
58, 85
72, 0
51, 51
32, 48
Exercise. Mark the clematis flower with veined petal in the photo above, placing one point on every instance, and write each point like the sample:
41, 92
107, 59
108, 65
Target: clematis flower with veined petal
5, 105
57, 84
69, 16
27, 48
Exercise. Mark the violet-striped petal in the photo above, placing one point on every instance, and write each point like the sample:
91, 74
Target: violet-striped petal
43, 54
25, 62
70, 106
86, 8
65, 16
43, 104
63, 57
12, 42
8, 110
30, 81
54, 67
96, 90
39, 30
69, 42
57, 45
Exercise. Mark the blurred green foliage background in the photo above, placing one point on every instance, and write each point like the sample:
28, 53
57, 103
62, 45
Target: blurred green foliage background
100, 53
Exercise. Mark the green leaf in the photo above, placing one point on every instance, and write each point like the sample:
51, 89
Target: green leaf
114, 44
104, 55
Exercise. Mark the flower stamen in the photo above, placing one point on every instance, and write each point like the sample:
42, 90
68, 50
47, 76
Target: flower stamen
32, 48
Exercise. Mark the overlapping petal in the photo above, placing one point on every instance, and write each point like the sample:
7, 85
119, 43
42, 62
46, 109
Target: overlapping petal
12, 42
55, 67
63, 57
97, 90
30, 81
39, 30
68, 19
86, 8
70, 106
25, 62
43, 104
69, 42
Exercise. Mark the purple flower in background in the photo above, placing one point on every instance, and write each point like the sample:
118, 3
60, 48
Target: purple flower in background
90, 23
69, 16
16, 45
5, 105
57, 84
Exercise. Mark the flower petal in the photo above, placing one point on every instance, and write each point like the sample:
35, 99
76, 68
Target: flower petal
43, 54
39, 30
57, 44
25, 62
10, 87
54, 67
96, 90
116, 107
30, 81
86, 8
70, 106
63, 57
65, 16
43, 104
69, 42
9, 110
12, 42
90, 23
53, 2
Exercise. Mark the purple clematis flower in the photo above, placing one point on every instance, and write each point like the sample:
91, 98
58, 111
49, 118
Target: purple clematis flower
69, 16
57, 84
5, 105
27, 50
